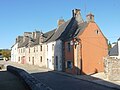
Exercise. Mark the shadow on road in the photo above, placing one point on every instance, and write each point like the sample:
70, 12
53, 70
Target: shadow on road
64, 81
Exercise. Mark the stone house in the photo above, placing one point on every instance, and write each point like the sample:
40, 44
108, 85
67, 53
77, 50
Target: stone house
54, 47
115, 50
22, 48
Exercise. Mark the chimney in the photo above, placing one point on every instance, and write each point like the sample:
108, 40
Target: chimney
35, 34
26, 35
19, 39
77, 15
90, 17
60, 21
76, 12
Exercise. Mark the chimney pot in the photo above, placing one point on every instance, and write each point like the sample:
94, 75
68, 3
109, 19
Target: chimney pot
90, 17
75, 12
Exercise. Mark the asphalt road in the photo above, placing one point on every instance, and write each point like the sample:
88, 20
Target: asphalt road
62, 82
9, 81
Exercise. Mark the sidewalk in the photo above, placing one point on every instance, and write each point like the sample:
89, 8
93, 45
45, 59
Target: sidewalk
26, 67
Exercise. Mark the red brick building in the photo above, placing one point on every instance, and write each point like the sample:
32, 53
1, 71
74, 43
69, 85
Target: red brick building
84, 47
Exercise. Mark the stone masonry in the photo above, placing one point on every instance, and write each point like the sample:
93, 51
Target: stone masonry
112, 68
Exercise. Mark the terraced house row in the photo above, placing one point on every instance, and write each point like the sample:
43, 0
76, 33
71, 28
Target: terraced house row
76, 46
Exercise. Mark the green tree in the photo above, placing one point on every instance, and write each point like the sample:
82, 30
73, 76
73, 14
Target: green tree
109, 46
6, 53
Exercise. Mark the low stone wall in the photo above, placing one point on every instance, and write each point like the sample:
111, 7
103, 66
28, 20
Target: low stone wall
30, 80
112, 68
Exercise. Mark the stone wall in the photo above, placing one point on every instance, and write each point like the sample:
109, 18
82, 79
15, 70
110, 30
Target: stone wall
112, 68
32, 82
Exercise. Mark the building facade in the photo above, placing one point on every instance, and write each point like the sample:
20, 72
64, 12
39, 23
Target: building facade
75, 46
85, 48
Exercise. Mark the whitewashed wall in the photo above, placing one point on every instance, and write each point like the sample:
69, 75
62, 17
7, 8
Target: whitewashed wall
50, 54
14, 53
58, 53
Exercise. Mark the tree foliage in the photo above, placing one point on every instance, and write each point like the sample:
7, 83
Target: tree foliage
5, 53
109, 46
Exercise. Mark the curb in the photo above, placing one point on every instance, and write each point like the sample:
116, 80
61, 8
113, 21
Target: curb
30, 80
69, 75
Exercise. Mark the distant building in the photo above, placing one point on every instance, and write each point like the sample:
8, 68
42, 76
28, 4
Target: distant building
115, 50
14, 49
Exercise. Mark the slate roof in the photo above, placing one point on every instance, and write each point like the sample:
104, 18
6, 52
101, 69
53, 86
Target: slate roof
23, 44
48, 35
73, 30
65, 31
114, 51
59, 31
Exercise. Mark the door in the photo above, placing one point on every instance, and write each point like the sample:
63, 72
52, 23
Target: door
23, 60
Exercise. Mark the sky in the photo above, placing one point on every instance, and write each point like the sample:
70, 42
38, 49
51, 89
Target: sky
19, 16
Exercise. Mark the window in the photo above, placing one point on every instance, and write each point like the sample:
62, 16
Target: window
47, 47
29, 59
21, 50
52, 60
96, 31
40, 58
19, 59
69, 64
29, 50
33, 58
68, 47
34, 49
52, 46
41, 48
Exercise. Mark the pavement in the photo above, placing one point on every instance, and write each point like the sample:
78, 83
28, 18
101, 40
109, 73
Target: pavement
26, 67
98, 78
